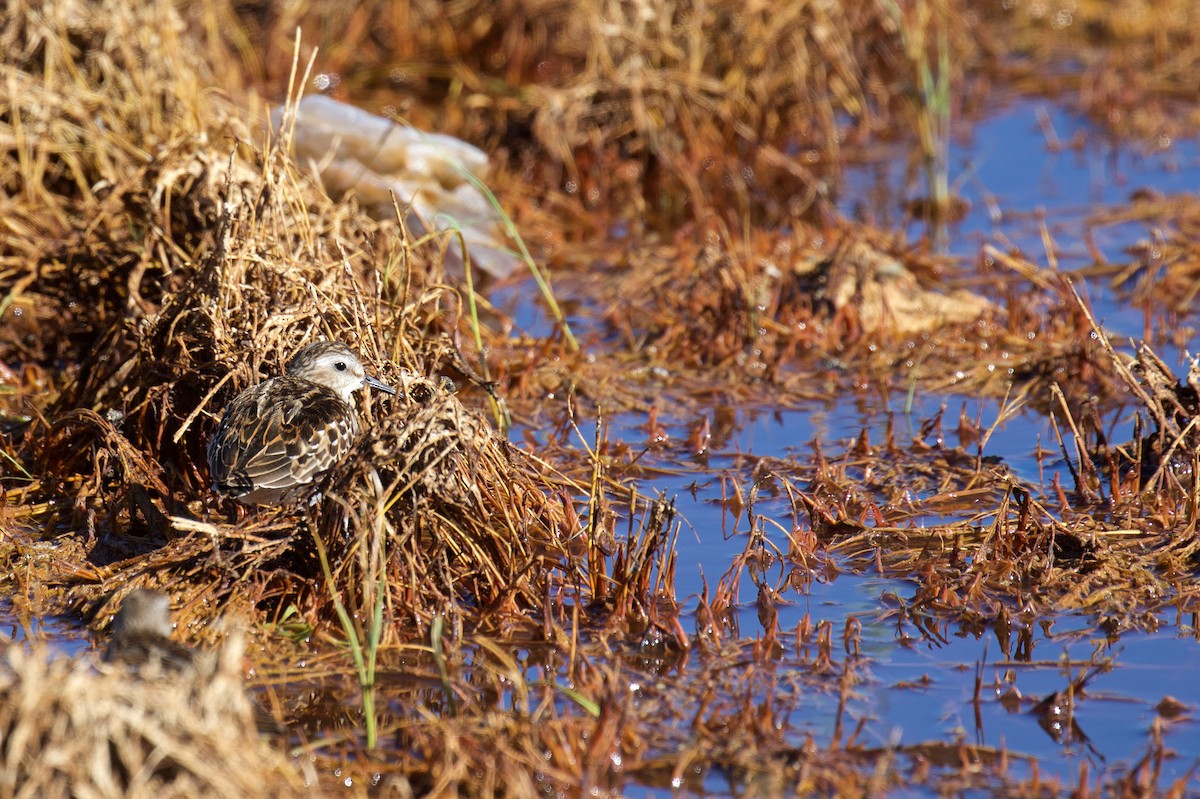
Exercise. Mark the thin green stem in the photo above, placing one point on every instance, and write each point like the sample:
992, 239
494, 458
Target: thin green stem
364, 664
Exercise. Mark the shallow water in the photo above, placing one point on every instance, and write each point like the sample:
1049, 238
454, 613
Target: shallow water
1012, 179
921, 690
1035, 161
65, 635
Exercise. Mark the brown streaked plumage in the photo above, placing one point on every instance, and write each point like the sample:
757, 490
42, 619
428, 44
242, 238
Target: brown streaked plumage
142, 634
279, 437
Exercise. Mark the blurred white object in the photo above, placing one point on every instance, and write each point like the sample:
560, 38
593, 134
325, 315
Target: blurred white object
430, 174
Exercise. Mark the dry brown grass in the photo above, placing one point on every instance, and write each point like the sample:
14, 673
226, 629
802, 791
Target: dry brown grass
159, 255
70, 730
658, 89
181, 279
186, 267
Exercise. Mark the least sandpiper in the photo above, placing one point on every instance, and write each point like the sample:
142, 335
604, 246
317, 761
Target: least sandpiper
280, 436
142, 634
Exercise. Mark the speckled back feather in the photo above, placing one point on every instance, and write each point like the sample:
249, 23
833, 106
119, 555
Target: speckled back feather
277, 438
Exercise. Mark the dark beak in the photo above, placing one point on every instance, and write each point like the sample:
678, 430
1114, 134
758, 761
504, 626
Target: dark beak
375, 383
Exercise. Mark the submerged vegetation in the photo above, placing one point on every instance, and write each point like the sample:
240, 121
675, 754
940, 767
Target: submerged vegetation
467, 611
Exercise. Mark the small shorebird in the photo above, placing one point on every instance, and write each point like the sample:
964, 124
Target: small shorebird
280, 436
142, 634
141, 641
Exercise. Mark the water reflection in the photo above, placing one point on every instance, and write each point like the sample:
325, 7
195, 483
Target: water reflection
1052, 688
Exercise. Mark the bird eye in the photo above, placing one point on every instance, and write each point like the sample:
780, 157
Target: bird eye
340, 366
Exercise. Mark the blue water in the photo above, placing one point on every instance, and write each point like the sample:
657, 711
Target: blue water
1116, 715
1013, 180
64, 635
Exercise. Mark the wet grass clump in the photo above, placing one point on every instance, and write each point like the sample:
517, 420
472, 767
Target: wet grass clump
455, 613
69, 730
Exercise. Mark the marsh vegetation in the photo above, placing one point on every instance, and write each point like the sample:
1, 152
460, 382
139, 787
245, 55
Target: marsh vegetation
483, 601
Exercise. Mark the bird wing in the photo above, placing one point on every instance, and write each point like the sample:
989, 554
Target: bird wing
279, 435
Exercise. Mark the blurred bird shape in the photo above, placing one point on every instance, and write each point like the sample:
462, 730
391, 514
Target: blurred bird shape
142, 635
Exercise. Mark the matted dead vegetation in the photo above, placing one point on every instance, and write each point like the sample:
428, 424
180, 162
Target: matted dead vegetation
457, 615
188, 266
196, 272
70, 730
1129, 67
653, 90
